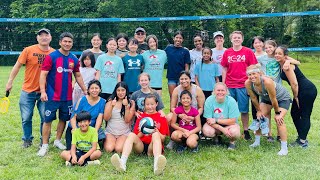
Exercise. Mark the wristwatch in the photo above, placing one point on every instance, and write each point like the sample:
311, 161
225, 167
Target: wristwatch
278, 113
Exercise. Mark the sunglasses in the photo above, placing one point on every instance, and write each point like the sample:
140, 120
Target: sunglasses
140, 33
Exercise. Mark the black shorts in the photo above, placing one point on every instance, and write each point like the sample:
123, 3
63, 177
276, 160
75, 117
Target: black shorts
283, 104
160, 88
80, 153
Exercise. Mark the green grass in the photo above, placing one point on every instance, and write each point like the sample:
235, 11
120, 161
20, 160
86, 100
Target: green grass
210, 163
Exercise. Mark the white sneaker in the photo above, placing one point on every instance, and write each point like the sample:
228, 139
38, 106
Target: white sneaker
42, 151
58, 144
116, 162
283, 152
255, 144
95, 162
68, 163
170, 145
159, 165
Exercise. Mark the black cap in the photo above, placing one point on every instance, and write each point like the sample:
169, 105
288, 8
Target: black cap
43, 30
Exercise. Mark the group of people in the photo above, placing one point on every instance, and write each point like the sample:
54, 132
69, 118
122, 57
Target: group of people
209, 90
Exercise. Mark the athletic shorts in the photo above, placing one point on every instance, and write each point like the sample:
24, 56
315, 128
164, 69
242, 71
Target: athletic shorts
173, 82
51, 107
283, 104
157, 88
241, 96
80, 153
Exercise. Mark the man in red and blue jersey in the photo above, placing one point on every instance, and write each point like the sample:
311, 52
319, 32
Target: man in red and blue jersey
56, 89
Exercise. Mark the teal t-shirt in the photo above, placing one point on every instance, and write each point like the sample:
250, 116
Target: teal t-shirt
109, 67
270, 68
227, 109
83, 141
133, 67
206, 74
154, 65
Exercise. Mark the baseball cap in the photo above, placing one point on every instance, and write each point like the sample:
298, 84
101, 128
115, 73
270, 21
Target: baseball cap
140, 29
218, 33
43, 30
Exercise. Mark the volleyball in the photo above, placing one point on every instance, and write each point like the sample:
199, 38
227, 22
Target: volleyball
146, 125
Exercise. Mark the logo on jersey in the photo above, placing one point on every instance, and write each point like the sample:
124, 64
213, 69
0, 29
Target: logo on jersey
237, 58
218, 113
71, 65
61, 69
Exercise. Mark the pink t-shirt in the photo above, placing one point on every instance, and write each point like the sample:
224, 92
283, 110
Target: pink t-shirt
183, 124
236, 63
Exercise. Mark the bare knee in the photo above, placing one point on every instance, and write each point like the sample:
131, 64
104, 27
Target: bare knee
192, 143
175, 136
208, 130
235, 133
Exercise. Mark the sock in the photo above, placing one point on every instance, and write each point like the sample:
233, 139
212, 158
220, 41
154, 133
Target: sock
124, 159
256, 141
45, 145
155, 161
284, 145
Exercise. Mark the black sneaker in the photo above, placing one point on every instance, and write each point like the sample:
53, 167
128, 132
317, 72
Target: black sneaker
231, 146
26, 144
297, 142
278, 139
247, 136
217, 140
270, 139
195, 150
181, 149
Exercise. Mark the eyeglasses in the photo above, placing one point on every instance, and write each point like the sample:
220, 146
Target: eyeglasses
140, 33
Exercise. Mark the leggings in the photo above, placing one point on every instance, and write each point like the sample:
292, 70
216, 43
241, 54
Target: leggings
301, 116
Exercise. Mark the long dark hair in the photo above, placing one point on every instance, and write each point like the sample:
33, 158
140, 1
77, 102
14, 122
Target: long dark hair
202, 54
91, 57
114, 95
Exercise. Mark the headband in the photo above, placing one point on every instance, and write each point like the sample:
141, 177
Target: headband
253, 70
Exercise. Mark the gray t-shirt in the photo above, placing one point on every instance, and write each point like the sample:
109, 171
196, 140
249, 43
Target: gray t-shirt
139, 96
217, 57
96, 55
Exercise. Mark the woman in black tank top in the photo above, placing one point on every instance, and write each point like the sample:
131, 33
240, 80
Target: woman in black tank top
304, 94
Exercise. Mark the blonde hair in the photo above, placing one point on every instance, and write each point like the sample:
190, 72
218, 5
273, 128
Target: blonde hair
254, 68
149, 78
236, 32
222, 84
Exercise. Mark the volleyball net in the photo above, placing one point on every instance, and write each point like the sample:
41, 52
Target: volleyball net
300, 31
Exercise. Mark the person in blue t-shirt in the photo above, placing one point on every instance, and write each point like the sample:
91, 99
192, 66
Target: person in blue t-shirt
133, 65
178, 60
154, 61
207, 73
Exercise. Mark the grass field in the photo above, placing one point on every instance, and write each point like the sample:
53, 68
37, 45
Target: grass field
210, 162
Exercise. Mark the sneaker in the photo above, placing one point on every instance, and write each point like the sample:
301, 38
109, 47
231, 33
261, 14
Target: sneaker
270, 139
231, 146
217, 140
42, 151
195, 150
95, 162
59, 145
171, 145
264, 122
159, 165
278, 139
254, 125
68, 163
247, 135
26, 144
181, 149
201, 136
297, 142
116, 162
283, 152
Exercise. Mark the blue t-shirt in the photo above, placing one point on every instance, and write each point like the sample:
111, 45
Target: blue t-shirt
206, 74
94, 110
178, 57
109, 67
227, 109
270, 67
132, 67
154, 65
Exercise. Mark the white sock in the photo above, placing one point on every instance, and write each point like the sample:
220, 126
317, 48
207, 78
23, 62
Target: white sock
124, 159
45, 145
256, 141
284, 145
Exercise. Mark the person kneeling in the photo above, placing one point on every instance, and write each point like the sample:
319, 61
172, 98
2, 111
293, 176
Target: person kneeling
84, 146
186, 132
151, 144
221, 112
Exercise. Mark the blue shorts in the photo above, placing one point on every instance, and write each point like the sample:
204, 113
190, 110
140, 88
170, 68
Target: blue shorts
173, 82
51, 107
241, 96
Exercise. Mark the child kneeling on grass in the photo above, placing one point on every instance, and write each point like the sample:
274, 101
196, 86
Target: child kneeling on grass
84, 146
151, 144
186, 132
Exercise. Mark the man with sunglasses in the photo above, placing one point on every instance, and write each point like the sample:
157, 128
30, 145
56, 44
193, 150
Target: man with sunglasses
140, 34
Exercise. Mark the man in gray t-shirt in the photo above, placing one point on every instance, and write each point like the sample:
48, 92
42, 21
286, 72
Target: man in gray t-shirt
218, 51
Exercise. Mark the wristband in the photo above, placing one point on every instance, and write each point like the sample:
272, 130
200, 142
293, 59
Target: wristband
278, 113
